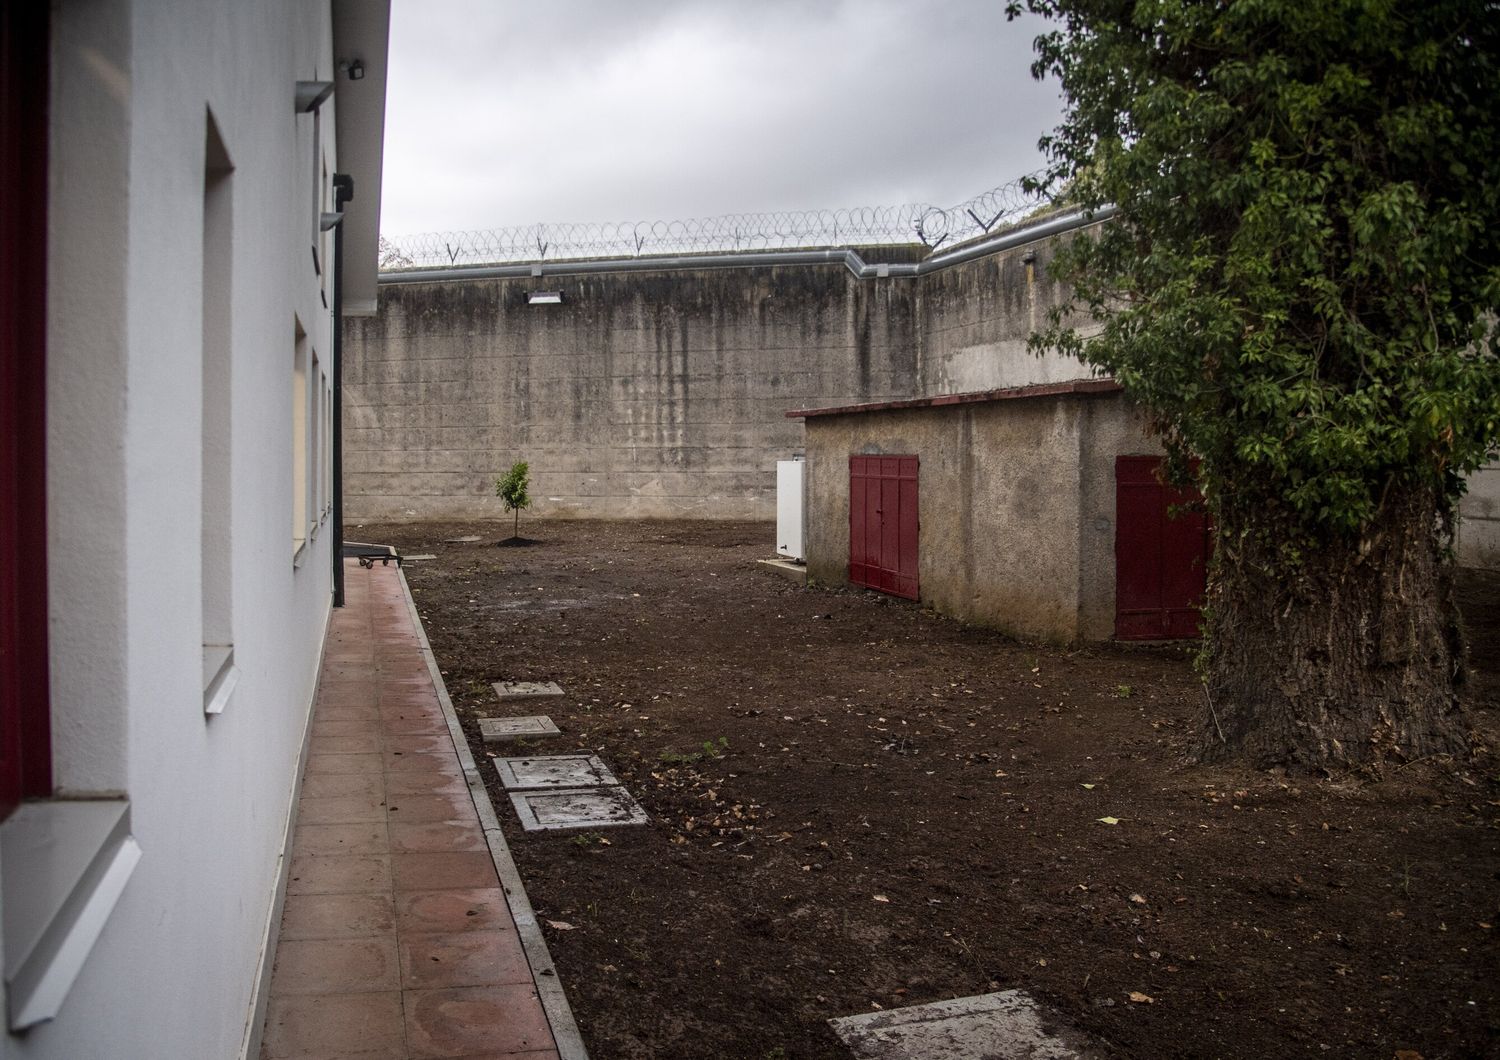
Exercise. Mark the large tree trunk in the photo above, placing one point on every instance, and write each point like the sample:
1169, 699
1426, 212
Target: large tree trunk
1353, 661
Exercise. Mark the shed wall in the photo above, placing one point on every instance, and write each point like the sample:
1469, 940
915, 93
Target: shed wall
1016, 506
1479, 522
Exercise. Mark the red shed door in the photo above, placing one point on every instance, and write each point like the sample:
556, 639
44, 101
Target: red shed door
883, 523
1161, 554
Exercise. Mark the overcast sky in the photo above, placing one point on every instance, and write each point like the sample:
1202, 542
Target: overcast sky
505, 113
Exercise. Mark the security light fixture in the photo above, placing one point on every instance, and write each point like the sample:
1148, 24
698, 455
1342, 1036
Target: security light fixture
544, 298
354, 68
327, 220
312, 94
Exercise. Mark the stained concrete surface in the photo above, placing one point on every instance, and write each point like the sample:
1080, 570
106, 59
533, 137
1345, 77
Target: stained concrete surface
796, 572
1016, 509
657, 394
1009, 1025
509, 691
494, 730
604, 807
544, 772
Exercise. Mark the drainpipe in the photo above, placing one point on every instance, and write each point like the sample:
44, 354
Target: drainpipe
343, 191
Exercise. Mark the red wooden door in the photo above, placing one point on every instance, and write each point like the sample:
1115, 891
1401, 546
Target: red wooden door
883, 523
1161, 554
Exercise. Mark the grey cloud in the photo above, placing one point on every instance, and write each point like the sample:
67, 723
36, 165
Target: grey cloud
507, 114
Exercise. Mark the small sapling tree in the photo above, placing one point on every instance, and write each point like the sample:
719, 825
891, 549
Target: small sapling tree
514, 490
1301, 287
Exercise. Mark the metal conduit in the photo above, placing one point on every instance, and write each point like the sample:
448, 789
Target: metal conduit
862, 269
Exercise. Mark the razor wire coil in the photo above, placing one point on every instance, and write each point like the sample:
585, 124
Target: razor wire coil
912, 224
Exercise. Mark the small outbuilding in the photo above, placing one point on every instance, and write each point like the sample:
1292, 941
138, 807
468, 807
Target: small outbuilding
1038, 510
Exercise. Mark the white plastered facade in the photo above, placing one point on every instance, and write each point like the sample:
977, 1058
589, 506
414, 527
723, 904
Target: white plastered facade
179, 964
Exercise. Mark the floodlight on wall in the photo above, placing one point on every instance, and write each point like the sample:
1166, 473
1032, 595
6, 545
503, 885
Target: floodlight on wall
353, 68
312, 94
544, 298
328, 220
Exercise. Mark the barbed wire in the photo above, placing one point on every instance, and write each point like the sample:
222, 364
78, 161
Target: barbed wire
912, 224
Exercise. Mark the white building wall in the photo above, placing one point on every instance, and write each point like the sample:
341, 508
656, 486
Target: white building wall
175, 970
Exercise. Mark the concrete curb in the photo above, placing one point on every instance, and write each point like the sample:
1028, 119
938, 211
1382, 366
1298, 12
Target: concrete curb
544, 975
796, 572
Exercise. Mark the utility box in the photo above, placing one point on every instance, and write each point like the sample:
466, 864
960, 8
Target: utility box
791, 540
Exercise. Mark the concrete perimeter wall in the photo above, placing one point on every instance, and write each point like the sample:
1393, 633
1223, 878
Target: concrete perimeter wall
1015, 503
657, 394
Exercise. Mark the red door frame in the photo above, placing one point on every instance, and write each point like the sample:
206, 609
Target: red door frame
25, 744
883, 524
1162, 545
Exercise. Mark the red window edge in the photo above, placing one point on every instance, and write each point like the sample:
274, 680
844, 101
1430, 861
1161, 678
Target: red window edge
25, 738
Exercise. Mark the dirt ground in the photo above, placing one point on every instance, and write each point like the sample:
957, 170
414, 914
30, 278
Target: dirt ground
856, 803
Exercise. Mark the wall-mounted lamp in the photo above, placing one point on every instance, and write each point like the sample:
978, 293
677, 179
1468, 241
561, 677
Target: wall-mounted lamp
354, 68
312, 94
328, 220
544, 298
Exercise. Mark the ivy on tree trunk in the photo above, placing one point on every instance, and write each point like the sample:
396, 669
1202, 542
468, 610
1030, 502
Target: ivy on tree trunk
1300, 285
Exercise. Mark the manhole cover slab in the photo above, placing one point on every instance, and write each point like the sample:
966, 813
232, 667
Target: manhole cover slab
497, 729
546, 811
1009, 1023
513, 690
542, 772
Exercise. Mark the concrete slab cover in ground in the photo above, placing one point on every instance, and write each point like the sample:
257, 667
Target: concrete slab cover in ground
513, 690
1008, 1025
536, 725
604, 807
546, 772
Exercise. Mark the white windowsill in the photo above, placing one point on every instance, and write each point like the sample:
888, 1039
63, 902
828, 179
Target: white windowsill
63, 866
220, 675
300, 554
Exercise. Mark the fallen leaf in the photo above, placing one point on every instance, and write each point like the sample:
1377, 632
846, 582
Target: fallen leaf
1138, 899
1109, 820
560, 925
881, 898
1088, 787
1142, 999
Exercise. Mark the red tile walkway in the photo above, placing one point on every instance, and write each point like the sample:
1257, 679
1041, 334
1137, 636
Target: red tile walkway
396, 940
